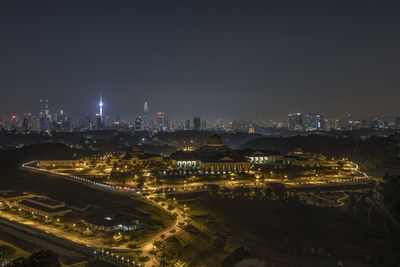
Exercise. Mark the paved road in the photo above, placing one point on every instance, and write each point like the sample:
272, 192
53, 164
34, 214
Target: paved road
32, 240
147, 246
52, 230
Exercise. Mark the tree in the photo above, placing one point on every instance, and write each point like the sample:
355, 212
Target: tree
132, 246
144, 258
262, 180
214, 188
42, 258
257, 192
226, 191
278, 189
268, 192
6, 252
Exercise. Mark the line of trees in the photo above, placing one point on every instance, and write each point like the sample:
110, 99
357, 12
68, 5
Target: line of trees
42, 258
369, 153
273, 190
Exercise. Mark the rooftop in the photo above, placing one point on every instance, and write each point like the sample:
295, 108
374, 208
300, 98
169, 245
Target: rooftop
41, 207
11, 194
214, 140
46, 201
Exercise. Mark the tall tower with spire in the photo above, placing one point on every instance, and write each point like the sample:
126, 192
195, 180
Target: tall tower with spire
101, 108
145, 108
145, 115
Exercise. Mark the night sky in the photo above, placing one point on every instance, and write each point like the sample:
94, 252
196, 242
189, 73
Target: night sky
236, 59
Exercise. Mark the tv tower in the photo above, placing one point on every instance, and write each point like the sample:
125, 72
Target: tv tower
101, 107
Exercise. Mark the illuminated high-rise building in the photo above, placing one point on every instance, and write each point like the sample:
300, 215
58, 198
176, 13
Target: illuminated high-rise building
99, 122
13, 123
146, 116
350, 122
295, 121
310, 121
44, 108
162, 121
138, 126
45, 118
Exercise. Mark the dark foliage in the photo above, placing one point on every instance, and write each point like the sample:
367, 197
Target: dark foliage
368, 153
391, 196
42, 258
6, 252
13, 158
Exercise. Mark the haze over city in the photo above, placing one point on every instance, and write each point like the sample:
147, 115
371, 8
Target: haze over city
228, 59
199, 133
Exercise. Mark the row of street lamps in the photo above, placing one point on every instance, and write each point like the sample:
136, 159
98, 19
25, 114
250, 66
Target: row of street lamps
117, 258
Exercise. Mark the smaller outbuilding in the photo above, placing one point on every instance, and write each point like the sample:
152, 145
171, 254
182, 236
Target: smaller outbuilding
111, 223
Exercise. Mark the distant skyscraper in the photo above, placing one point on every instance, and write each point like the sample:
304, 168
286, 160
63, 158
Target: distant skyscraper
25, 124
13, 123
196, 123
162, 122
204, 125
45, 118
99, 122
295, 121
349, 122
397, 122
337, 125
138, 126
146, 116
44, 108
311, 121
187, 125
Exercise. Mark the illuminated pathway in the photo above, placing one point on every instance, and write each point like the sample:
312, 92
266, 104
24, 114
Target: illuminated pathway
147, 246
51, 230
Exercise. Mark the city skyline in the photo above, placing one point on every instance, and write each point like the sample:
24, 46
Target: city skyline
158, 121
144, 110
231, 60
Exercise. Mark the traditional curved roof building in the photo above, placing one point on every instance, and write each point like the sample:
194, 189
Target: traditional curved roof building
215, 141
214, 158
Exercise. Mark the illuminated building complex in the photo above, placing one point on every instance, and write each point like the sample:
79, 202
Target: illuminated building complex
212, 158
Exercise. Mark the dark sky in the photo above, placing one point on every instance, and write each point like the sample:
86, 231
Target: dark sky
243, 59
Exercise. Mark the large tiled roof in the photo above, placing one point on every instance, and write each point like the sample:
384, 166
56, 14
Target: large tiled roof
259, 152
